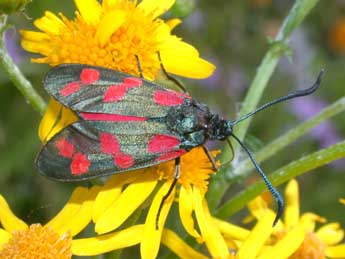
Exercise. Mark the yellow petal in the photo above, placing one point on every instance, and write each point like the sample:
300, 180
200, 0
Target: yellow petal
40, 60
330, 234
90, 10
258, 236
309, 219
172, 23
215, 243
186, 210
83, 217
336, 251
70, 210
230, 230
109, 242
130, 199
109, 3
291, 215
173, 44
258, 207
36, 47
154, 7
286, 246
179, 247
110, 192
4, 237
110, 22
67, 118
50, 23
186, 65
342, 201
34, 36
55, 118
49, 120
8, 220
152, 236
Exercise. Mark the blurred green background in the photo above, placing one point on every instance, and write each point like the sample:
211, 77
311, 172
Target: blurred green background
233, 35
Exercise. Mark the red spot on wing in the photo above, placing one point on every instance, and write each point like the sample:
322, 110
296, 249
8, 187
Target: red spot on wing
80, 164
168, 98
123, 160
171, 155
133, 81
115, 93
109, 143
89, 75
162, 143
109, 117
70, 88
65, 148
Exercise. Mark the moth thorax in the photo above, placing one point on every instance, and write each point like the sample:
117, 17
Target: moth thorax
186, 119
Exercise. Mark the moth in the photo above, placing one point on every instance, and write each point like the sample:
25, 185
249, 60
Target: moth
127, 123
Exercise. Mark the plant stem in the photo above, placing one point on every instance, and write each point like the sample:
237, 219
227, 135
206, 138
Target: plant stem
293, 169
298, 12
15, 75
278, 48
244, 168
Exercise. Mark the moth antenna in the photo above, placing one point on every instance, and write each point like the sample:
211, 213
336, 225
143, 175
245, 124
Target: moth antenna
139, 66
166, 196
284, 98
171, 78
278, 198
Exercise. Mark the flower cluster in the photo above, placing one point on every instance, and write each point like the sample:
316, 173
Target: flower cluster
295, 237
124, 209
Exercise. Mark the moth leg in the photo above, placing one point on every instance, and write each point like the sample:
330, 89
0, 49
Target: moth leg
211, 158
139, 66
171, 78
166, 196
232, 149
232, 153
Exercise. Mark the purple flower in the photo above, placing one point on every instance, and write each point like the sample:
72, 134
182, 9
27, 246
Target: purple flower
12, 44
325, 133
195, 21
306, 107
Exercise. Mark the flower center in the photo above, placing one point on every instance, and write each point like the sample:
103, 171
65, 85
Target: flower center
37, 242
195, 167
77, 43
312, 247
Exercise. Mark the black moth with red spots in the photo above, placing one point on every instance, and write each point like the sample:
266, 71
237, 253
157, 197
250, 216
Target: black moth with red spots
125, 123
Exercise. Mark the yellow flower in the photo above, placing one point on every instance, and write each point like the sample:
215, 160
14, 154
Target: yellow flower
124, 194
110, 34
255, 244
53, 240
305, 241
